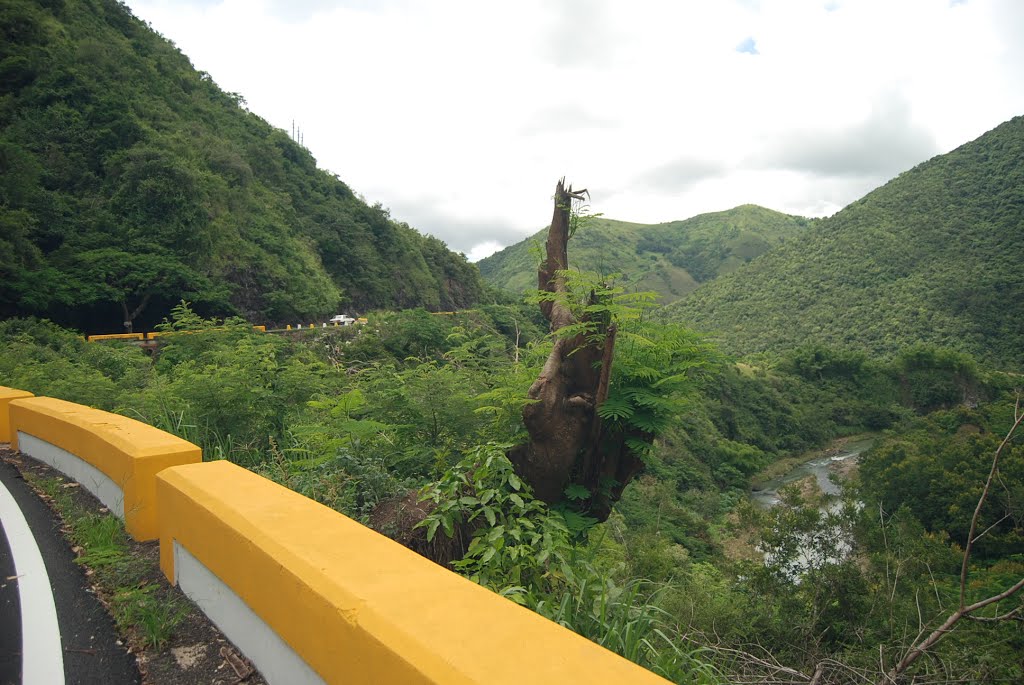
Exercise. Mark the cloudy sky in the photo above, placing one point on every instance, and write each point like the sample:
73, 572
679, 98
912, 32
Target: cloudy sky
460, 115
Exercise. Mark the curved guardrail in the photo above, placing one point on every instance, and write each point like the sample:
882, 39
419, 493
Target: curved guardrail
114, 457
307, 594
6, 395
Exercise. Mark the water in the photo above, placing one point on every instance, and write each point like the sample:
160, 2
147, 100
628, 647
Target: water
813, 549
820, 467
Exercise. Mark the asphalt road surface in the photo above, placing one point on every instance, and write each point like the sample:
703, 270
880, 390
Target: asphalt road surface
53, 630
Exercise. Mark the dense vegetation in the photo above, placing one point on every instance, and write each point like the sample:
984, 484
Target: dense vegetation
129, 180
350, 417
671, 259
933, 256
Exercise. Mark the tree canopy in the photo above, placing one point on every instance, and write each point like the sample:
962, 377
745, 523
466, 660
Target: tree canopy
129, 180
671, 259
931, 257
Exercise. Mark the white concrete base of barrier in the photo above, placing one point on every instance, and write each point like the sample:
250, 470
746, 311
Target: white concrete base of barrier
91, 478
276, 661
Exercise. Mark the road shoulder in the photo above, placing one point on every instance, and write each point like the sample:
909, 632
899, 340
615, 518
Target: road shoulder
194, 652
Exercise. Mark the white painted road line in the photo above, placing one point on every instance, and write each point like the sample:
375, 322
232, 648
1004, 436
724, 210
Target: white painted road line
42, 656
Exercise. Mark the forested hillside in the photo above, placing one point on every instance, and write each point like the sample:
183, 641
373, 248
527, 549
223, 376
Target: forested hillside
671, 259
933, 256
128, 180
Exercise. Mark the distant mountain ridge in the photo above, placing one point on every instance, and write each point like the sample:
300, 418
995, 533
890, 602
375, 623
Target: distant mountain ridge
671, 258
934, 256
128, 181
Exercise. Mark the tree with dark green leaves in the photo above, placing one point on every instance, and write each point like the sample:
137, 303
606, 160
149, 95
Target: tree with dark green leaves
128, 180
133, 279
931, 257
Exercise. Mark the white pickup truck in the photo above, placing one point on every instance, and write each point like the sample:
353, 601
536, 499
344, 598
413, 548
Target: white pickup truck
342, 320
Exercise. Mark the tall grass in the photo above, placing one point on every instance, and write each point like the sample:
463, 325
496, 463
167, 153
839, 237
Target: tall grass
215, 445
139, 607
628, 620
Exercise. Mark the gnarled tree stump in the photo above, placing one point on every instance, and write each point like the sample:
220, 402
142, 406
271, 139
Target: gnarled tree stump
568, 442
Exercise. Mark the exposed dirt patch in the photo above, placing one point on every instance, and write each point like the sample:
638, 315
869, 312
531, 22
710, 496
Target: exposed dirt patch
196, 653
741, 542
188, 657
846, 468
809, 489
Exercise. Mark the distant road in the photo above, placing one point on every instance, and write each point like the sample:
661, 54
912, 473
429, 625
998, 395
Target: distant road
53, 630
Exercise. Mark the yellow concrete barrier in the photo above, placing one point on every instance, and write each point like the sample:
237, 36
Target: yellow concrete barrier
115, 457
6, 395
354, 606
117, 336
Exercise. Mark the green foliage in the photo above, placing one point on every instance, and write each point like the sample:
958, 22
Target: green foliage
503, 402
348, 418
130, 180
655, 376
519, 323
523, 550
184, 318
155, 614
847, 585
738, 419
414, 333
595, 301
936, 469
352, 481
45, 359
138, 607
627, 619
232, 382
340, 427
517, 546
817, 363
670, 259
931, 257
934, 378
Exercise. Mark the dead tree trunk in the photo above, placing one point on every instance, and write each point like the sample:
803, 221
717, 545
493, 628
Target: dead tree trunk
129, 317
568, 442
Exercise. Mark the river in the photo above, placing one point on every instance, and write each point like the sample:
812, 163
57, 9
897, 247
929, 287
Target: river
821, 467
838, 459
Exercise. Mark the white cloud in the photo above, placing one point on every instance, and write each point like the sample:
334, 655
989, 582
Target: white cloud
461, 115
484, 249
885, 143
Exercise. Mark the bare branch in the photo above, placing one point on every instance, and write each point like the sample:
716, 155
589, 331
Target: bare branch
920, 647
1016, 614
986, 531
1008, 592
935, 586
981, 500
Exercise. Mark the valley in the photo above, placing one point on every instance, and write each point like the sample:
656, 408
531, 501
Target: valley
601, 423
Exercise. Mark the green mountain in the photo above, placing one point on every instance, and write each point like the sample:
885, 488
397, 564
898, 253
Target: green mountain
671, 258
128, 180
933, 257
